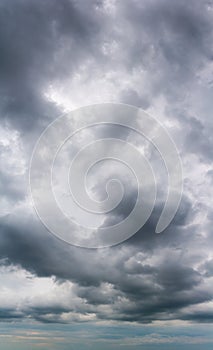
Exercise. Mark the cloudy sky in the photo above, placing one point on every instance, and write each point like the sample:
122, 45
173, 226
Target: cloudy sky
153, 290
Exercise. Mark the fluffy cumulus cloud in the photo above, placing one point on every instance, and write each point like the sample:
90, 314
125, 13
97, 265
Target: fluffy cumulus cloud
60, 55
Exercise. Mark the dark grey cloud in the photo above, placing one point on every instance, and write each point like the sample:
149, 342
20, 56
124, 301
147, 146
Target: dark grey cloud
150, 277
52, 39
41, 42
169, 40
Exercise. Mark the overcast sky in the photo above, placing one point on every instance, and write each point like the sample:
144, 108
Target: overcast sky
152, 291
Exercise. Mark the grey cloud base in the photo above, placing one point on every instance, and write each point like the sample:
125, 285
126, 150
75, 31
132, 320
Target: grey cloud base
151, 277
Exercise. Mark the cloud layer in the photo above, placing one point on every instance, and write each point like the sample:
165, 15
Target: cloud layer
58, 55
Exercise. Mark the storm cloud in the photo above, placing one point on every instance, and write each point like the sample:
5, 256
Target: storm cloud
60, 55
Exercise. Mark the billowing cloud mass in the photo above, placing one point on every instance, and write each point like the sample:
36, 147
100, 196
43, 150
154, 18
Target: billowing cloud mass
60, 55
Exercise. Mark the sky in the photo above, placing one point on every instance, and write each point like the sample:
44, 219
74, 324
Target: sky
152, 291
